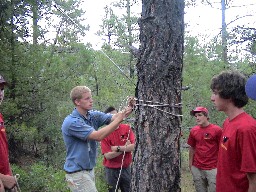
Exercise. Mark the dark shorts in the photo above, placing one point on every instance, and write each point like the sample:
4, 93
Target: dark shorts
112, 175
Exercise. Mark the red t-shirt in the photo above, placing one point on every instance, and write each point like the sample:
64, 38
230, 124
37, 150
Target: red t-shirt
118, 137
205, 141
4, 153
237, 154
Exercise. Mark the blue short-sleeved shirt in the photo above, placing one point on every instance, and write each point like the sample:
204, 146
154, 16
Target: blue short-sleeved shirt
81, 152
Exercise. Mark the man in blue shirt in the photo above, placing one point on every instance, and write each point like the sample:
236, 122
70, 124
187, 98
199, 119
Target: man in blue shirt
81, 134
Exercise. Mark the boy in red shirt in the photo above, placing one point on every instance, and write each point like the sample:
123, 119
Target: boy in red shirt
7, 181
117, 150
204, 141
236, 170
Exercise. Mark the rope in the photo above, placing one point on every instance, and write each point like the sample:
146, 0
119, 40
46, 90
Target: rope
116, 188
17, 176
117, 66
158, 104
129, 101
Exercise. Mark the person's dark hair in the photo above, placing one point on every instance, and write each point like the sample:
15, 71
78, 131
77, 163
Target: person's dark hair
110, 109
231, 85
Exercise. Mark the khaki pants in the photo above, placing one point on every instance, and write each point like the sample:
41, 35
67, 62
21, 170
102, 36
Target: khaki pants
204, 180
82, 181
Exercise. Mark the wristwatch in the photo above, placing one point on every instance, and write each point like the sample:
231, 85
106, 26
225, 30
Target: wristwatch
118, 149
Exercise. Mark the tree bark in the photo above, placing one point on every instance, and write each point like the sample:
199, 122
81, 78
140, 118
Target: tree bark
156, 165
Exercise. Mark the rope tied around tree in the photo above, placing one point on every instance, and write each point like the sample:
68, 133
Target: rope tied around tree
134, 102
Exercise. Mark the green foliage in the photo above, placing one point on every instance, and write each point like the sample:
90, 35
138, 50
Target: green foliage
42, 75
197, 73
38, 95
120, 30
113, 82
101, 184
40, 178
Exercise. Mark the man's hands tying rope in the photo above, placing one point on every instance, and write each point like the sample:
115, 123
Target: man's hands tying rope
128, 109
131, 101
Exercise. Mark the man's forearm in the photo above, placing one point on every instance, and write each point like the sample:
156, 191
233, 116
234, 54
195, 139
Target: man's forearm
8, 181
111, 155
105, 131
127, 148
191, 156
1, 186
2, 176
114, 153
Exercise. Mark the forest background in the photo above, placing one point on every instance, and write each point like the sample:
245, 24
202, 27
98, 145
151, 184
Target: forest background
42, 67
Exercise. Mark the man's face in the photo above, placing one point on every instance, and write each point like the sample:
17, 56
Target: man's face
219, 103
85, 102
201, 119
1, 92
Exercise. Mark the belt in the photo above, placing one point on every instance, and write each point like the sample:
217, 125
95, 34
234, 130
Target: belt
77, 171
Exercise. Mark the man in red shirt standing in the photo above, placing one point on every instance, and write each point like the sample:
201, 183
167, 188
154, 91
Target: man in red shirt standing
117, 150
236, 170
7, 181
204, 141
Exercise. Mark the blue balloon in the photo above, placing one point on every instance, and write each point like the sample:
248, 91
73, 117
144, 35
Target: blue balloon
250, 87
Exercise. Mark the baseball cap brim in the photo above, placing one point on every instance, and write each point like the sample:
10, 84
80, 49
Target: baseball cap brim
250, 87
199, 109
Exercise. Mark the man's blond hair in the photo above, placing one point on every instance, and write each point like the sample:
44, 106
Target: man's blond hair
77, 92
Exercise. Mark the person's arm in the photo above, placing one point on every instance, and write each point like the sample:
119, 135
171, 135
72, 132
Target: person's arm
128, 147
8, 181
112, 154
105, 131
252, 182
129, 108
191, 156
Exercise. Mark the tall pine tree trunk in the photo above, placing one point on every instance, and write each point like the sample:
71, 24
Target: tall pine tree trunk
156, 166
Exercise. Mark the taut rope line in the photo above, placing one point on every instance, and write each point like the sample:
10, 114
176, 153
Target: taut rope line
55, 5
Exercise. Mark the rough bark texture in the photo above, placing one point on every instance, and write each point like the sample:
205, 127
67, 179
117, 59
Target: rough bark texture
156, 166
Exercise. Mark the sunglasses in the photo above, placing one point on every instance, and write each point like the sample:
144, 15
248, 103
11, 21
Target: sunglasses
2, 89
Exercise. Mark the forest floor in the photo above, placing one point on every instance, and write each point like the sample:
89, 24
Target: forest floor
186, 181
187, 184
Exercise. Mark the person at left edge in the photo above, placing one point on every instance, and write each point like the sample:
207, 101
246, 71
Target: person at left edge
81, 134
7, 181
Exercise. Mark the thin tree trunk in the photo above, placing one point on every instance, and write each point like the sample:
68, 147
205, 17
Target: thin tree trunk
35, 20
156, 166
224, 33
128, 21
